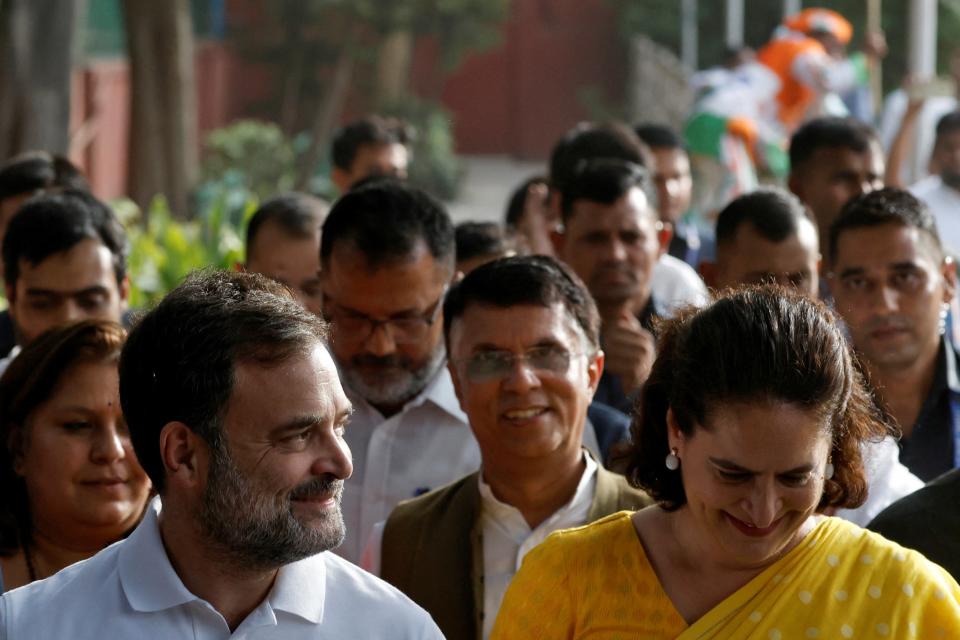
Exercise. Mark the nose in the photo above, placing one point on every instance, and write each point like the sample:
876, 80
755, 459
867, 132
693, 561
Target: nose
69, 312
334, 458
763, 504
107, 444
380, 342
522, 377
616, 251
887, 298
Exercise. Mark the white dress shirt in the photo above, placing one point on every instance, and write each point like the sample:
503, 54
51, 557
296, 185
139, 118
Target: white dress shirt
130, 590
944, 203
507, 537
423, 447
5, 361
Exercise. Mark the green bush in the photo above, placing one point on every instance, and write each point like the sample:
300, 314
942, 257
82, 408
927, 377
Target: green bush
164, 250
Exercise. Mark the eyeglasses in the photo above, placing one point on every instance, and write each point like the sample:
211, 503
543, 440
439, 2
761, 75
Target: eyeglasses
404, 329
495, 365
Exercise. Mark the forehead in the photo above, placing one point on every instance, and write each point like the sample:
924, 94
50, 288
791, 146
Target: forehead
400, 285
828, 160
381, 154
274, 244
752, 250
515, 328
764, 434
86, 264
82, 383
882, 245
267, 396
670, 160
629, 211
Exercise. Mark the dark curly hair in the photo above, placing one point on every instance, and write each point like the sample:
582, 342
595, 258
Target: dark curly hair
754, 344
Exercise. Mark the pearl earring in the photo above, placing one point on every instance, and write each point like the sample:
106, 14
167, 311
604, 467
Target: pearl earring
828, 471
672, 460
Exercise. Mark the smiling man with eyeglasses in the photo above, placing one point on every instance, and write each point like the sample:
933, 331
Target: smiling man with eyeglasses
522, 333
387, 258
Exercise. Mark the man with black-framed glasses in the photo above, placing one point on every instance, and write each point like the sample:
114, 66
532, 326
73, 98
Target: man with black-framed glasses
387, 259
523, 338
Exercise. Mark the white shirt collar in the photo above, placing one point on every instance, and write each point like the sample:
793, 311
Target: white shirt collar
504, 513
151, 583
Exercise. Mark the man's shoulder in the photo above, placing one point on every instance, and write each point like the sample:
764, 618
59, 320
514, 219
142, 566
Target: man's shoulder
915, 510
419, 511
615, 494
72, 593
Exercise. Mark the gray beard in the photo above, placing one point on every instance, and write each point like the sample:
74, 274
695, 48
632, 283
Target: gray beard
250, 531
396, 387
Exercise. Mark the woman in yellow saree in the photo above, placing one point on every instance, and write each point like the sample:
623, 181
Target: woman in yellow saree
751, 424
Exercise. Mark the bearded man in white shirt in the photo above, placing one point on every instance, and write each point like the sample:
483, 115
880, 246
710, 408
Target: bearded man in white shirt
387, 258
523, 338
237, 415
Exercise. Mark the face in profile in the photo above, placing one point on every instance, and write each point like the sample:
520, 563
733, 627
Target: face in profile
524, 376
753, 475
75, 456
386, 322
285, 463
890, 285
673, 181
73, 285
291, 260
612, 247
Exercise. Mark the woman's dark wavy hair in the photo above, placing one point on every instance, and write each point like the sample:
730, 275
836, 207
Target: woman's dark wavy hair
26, 384
760, 344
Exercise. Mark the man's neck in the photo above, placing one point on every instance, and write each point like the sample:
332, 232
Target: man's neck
903, 390
536, 489
233, 591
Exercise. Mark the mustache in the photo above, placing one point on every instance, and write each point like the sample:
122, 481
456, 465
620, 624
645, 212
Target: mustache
317, 488
392, 361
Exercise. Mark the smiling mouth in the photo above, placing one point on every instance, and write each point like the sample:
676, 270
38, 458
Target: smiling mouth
750, 530
524, 414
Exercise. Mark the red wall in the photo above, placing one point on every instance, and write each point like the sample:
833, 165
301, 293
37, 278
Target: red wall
521, 96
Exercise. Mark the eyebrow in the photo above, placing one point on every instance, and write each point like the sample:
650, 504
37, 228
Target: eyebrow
897, 266
542, 342
33, 291
728, 465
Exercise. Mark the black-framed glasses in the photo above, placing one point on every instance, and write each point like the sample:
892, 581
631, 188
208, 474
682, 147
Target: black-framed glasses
404, 329
496, 365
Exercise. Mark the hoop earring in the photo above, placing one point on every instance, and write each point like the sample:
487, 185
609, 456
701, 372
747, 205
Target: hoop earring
672, 461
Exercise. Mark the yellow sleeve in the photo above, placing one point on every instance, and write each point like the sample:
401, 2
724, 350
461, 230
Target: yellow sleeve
538, 603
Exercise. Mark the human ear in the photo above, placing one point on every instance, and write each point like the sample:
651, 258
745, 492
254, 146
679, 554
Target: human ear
675, 436
179, 451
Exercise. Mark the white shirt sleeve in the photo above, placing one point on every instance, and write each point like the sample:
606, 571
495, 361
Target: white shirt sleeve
370, 559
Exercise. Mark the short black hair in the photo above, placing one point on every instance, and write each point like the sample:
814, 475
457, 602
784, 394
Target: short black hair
603, 180
948, 124
829, 132
476, 239
658, 136
775, 214
298, 214
179, 361
515, 205
385, 221
372, 130
35, 170
524, 280
54, 222
588, 140
885, 206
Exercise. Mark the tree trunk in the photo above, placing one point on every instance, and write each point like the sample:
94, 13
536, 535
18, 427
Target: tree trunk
328, 114
37, 60
393, 67
163, 144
